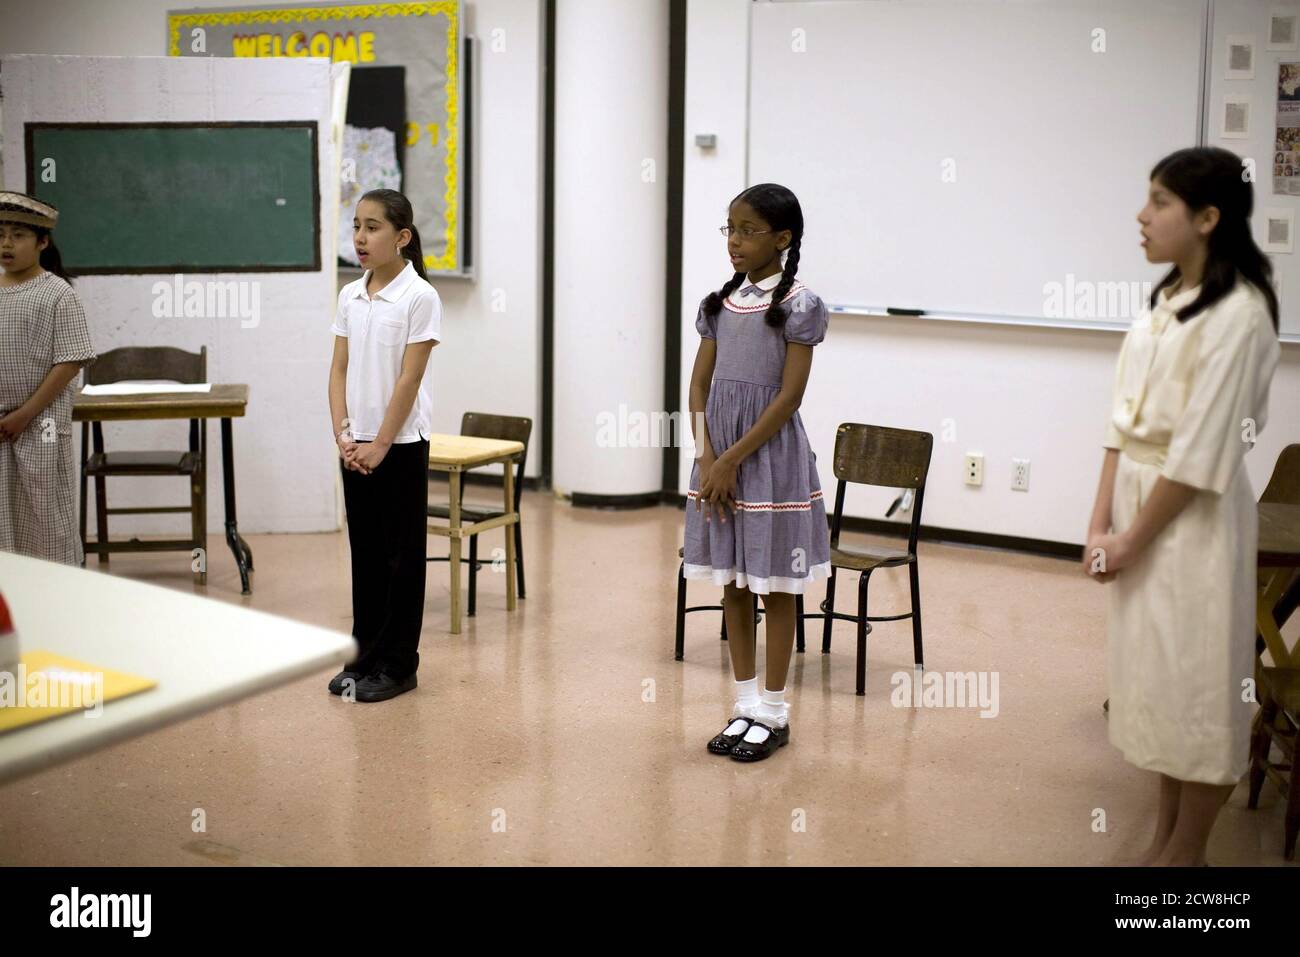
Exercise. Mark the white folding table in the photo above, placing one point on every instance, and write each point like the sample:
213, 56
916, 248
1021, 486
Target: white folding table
203, 653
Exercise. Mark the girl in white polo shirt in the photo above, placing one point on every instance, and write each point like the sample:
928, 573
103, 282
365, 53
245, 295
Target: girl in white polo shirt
381, 404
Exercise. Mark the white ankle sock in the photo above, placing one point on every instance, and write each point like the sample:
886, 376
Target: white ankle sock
737, 726
747, 700
772, 708
772, 711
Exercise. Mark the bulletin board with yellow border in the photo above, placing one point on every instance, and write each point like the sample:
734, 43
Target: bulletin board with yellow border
423, 38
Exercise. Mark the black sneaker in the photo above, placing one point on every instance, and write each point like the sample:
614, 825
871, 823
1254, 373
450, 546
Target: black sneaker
381, 686
340, 681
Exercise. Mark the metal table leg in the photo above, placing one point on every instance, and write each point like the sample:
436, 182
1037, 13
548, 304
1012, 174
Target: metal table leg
238, 547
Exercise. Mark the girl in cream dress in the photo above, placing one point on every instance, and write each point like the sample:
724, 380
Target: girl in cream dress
1174, 527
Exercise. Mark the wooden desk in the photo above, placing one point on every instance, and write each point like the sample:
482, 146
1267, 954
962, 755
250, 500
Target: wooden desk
224, 402
455, 454
1279, 559
202, 652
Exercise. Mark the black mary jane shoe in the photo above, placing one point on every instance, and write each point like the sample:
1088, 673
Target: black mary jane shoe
776, 738
340, 681
723, 742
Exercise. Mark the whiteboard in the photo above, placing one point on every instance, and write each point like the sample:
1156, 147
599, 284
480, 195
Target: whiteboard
974, 157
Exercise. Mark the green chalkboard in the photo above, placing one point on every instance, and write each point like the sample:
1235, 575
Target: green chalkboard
179, 197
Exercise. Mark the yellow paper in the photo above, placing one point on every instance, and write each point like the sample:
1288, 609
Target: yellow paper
46, 685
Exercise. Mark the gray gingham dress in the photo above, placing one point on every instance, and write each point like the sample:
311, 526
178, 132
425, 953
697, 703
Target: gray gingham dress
777, 540
41, 324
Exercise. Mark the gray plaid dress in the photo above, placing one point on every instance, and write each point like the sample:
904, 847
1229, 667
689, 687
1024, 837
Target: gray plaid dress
778, 539
41, 324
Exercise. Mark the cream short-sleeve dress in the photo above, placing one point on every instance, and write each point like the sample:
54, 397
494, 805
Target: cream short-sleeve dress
1188, 397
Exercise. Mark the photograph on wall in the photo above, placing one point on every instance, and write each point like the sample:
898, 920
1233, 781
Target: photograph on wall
1286, 146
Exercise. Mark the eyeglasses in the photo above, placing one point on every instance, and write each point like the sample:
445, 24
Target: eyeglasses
744, 231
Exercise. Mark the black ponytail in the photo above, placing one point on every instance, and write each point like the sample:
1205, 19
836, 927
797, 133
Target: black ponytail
50, 260
398, 211
1207, 176
780, 209
415, 252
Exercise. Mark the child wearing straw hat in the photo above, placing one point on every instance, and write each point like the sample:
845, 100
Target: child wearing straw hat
44, 343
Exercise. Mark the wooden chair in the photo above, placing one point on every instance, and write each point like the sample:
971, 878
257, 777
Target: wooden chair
1279, 697
895, 458
683, 611
147, 362
484, 425
1284, 487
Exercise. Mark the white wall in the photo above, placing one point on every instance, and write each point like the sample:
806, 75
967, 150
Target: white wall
1010, 392
611, 127
490, 357
284, 472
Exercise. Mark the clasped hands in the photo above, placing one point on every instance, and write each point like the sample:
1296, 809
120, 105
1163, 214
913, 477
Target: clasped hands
363, 457
1107, 554
717, 486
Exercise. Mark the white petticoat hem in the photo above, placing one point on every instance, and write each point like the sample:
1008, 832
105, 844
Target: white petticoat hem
759, 586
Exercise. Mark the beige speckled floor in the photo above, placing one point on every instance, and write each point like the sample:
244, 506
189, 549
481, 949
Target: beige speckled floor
529, 740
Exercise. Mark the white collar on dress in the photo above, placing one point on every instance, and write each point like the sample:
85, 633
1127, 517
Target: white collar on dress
1178, 300
767, 285
750, 302
1168, 306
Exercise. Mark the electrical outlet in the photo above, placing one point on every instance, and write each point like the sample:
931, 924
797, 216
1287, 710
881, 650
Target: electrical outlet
1020, 475
974, 469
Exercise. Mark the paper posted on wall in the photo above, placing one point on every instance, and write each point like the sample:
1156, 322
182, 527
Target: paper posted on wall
369, 161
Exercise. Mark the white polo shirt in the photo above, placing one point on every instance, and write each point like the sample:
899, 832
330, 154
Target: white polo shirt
378, 329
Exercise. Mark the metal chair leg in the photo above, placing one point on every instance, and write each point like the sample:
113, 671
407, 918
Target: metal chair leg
85, 454
101, 504
914, 575
828, 606
519, 557
679, 645
863, 582
473, 576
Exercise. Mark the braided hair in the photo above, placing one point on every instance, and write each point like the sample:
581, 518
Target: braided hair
780, 209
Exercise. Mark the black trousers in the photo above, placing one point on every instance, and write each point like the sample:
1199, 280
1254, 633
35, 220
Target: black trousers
387, 519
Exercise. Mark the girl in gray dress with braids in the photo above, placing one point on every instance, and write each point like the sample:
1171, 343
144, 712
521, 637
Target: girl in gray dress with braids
755, 520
